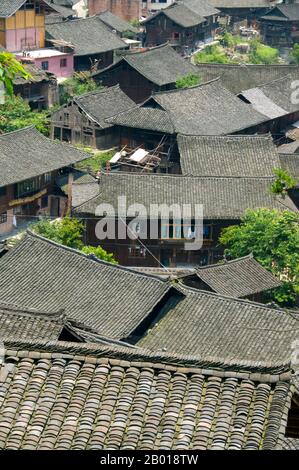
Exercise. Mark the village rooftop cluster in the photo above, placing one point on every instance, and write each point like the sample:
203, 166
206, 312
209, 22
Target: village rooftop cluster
188, 110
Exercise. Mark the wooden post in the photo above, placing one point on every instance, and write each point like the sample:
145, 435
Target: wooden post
70, 191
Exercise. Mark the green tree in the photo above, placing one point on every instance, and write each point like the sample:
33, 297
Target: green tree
99, 253
213, 54
15, 114
80, 83
283, 182
262, 54
294, 55
69, 232
273, 238
10, 67
188, 81
231, 40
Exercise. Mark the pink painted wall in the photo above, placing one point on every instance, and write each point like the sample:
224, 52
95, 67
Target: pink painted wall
17, 40
54, 65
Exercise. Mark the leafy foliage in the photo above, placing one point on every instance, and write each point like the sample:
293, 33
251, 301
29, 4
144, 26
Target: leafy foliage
282, 183
188, 81
213, 54
69, 232
10, 67
15, 114
78, 84
273, 238
227, 52
294, 55
262, 54
99, 253
230, 40
96, 162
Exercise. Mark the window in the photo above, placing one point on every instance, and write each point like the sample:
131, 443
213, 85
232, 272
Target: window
45, 65
3, 218
44, 202
137, 251
47, 178
176, 35
25, 188
63, 63
176, 230
3, 191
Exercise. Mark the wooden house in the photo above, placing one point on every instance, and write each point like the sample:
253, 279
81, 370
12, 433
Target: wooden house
238, 77
118, 25
280, 26
139, 74
22, 24
29, 165
277, 100
184, 24
240, 11
40, 90
83, 120
224, 201
93, 42
193, 111
242, 278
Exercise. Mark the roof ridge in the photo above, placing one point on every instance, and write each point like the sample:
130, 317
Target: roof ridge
192, 290
229, 136
182, 90
22, 129
90, 257
14, 308
267, 83
177, 176
225, 263
96, 92
175, 362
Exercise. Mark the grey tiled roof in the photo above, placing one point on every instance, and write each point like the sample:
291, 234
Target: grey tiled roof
207, 324
290, 148
29, 324
274, 99
166, 273
9, 7
36, 75
109, 299
289, 443
144, 118
187, 13
79, 177
89, 35
117, 23
27, 153
104, 103
160, 65
290, 12
238, 278
64, 8
241, 3
83, 190
99, 398
207, 109
290, 163
227, 155
222, 198
238, 77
